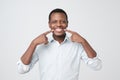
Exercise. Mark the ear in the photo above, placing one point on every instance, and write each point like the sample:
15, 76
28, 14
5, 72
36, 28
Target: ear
49, 24
67, 25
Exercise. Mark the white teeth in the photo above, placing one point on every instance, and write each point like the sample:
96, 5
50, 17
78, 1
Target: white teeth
58, 29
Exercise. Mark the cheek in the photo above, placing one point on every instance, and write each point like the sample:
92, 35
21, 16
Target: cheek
50, 26
65, 26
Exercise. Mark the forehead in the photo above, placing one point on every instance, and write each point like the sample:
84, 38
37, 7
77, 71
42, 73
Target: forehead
58, 16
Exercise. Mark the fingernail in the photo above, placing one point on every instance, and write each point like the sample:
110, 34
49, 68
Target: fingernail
64, 29
52, 30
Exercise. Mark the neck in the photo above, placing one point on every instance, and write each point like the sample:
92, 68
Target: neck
60, 39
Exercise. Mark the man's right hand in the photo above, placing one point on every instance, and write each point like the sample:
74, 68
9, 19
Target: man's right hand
41, 39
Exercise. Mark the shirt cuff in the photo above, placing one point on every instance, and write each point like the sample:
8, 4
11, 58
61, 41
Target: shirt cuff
22, 68
94, 63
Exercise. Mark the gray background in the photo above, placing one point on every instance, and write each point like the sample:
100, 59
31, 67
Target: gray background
96, 20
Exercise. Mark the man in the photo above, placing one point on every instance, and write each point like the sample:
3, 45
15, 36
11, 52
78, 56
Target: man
59, 56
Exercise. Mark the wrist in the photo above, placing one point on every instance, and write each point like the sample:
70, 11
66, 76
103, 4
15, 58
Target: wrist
33, 43
82, 41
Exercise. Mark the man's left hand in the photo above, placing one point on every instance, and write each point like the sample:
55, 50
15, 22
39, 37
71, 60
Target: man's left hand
75, 37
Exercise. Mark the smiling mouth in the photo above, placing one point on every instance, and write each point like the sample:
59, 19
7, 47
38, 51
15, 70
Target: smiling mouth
58, 29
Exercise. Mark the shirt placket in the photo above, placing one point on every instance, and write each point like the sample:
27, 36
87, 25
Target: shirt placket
59, 64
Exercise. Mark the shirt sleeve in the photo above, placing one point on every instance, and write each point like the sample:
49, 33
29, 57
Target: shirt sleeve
94, 63
22, 68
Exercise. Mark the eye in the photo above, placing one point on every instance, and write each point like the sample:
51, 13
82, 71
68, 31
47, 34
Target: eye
64, 21
53, 22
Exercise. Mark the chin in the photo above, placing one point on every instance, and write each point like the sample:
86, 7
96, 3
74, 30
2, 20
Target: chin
59, 34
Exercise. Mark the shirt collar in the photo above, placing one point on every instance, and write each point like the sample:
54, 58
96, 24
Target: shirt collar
51, 39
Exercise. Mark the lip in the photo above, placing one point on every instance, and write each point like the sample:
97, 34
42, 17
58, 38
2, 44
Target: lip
59, 29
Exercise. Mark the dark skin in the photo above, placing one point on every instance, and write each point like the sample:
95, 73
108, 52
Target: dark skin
58, 20
58, 25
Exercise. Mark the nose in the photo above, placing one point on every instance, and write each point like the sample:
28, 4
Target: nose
59, 24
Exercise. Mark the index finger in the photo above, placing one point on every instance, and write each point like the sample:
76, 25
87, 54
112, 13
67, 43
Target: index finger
69, 31
47, 32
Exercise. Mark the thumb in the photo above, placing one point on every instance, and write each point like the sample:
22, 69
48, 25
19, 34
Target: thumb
69, 31
46, 41
72, 38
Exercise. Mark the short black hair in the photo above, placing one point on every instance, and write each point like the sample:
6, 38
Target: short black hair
58, 10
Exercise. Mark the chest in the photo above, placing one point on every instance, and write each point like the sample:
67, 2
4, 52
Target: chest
62, 54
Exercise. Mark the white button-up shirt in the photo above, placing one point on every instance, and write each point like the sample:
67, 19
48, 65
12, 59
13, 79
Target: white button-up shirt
59, 61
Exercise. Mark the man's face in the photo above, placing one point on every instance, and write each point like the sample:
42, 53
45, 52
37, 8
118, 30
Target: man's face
58, 23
